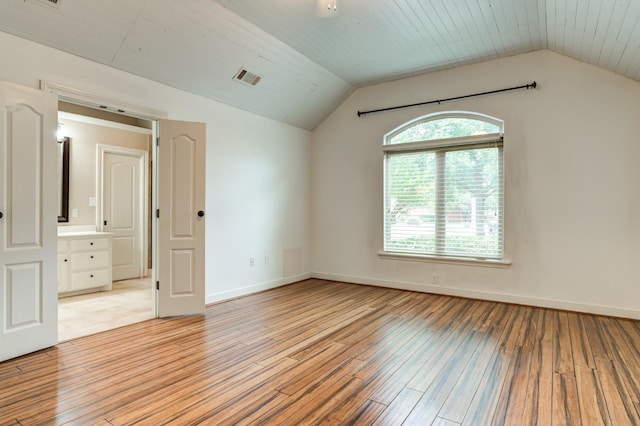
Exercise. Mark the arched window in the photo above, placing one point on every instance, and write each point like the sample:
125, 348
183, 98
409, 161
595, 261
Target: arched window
444, 187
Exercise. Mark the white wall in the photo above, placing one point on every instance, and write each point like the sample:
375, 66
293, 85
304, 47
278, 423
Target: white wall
257, 177
571, 157
572, 193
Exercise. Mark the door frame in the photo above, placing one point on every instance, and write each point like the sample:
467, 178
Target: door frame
143, 219
80, 97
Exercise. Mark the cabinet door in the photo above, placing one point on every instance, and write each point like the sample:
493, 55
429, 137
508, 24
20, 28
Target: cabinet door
28, 202
63, 273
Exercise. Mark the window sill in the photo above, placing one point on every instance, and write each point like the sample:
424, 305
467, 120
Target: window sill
488, 263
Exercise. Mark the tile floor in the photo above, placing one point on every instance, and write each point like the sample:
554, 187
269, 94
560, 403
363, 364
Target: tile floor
129, 302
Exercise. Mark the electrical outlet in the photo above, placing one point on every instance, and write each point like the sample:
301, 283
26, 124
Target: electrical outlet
435, 279
74, 212
267, 260
251, 262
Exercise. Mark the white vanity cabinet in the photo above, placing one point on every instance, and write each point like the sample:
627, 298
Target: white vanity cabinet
84, 262
63, 266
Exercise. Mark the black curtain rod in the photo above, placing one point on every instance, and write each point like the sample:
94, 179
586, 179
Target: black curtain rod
438, 101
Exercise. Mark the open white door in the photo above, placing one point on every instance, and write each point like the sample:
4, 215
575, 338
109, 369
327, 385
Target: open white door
28, 235
180, 227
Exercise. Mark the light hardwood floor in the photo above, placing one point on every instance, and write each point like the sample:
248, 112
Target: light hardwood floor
129, 302
320, 352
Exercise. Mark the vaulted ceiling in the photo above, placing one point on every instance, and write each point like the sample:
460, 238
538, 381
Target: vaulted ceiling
311, 57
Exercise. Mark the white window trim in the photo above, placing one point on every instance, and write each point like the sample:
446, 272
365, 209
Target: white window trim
488, 263
438, 143
440, 116
442, 143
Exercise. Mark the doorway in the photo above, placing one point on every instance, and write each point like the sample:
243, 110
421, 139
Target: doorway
178, 236
176, 240
109, 191
32, 202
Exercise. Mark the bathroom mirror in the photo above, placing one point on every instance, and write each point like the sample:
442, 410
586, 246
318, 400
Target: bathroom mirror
63, 179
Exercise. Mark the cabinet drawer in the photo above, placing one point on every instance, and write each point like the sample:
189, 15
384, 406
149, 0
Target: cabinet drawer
89, 279
90, 244
89, 260
63, 246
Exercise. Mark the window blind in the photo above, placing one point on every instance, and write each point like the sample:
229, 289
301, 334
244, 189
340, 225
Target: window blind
445, 200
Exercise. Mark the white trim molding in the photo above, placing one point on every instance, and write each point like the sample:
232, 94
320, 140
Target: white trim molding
426, 288
255, 288
104, 123
486, 295
79, 97
487, 263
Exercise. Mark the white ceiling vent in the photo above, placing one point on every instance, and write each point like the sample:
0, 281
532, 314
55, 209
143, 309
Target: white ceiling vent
247, 77
51, 3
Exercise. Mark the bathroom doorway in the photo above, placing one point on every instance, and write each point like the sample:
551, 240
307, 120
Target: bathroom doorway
99, 144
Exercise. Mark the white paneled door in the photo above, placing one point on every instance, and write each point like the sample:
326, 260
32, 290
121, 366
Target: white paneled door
123, 184
28, 237
181, 218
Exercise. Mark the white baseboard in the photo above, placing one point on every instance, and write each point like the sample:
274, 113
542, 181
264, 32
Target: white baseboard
266, 285
486, 295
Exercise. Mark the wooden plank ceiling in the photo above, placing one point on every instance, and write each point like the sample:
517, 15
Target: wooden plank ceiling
310, 56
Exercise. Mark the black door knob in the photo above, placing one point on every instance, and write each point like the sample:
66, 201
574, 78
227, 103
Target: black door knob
200, 213
1, 215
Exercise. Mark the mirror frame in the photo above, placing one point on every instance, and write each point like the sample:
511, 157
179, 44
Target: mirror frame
64, 191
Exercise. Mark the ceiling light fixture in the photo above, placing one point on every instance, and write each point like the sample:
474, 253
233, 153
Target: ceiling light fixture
332, 5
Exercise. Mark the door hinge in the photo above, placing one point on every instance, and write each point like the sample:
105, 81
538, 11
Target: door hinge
105, 223
157, 285
158, 213
158, 141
